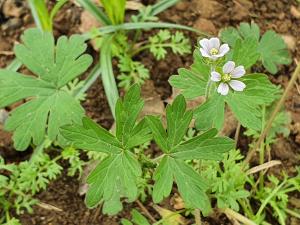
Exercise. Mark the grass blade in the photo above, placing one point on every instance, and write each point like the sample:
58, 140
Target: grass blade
56, 8
142, 25
95, 11
115, 10
40, 14
108, 79
162, 6
92, 77
14, 65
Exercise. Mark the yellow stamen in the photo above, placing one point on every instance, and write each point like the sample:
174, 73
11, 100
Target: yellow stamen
214, 51
226, 77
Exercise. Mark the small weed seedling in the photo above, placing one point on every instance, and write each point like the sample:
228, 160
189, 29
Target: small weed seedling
22, 182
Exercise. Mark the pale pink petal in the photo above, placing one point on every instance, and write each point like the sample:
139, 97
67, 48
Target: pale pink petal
228, 67
213, 57
204, 53
215, 76
223, 89
238, 72
214, 43
224, 49
237, 85
219, 55
204, 43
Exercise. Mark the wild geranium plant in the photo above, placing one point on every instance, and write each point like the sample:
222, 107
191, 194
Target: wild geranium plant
219, 75
50, 104
187, 163
116, 177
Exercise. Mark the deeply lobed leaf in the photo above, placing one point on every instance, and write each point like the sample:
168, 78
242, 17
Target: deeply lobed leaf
49, 105
193, 83
124, 169
173, 166
248, 46
117, 175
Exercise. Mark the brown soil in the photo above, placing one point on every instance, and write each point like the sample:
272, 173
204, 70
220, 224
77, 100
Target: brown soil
206, 15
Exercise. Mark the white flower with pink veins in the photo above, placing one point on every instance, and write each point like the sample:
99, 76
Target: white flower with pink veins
228, 78
211, 48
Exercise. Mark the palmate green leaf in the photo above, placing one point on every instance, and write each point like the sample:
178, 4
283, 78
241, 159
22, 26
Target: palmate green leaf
159, 132
190, 184
230, 35
116, 177
271, 48
205, 146
50, 105
245, 52
193, 83
172, 167
245, 105
163, 178
127, 112
178, 121
113, 178
210, 113
90, 136
273, 51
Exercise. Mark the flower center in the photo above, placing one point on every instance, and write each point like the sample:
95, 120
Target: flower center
214, 51
226, 77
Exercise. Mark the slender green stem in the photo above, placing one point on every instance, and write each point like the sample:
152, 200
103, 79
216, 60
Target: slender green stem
95, 11
140, 25
261, 161
39, 149
7, 216
14, 65
292, 213
40, 14
291, 189
273, 115
275, 207
56, 8
208, 85
267, 200
138, 50
89, 81
145, 47
162, 5
158, 158
108, 79
246, 207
